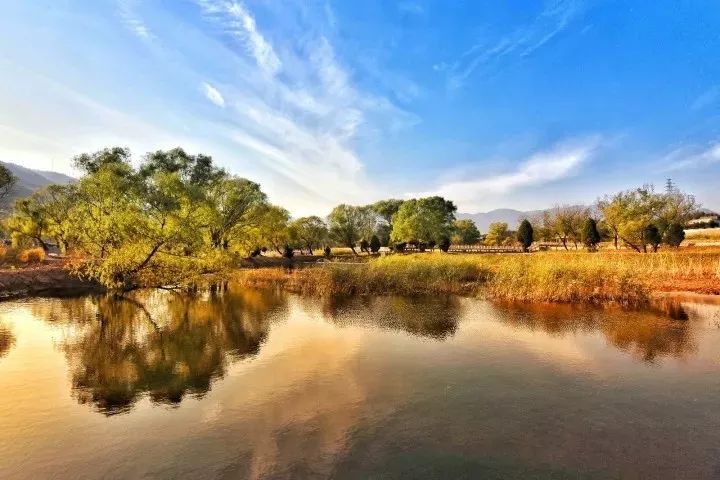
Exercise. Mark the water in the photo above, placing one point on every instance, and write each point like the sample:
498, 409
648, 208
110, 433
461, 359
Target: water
252, 384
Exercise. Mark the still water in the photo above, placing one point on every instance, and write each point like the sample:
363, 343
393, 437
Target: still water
260, 384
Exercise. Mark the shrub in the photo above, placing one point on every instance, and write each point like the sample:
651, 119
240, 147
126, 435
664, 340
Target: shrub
327, 251
525, 235
288, 252
32, 255
674, 235
374, 244
400, 247
432, 244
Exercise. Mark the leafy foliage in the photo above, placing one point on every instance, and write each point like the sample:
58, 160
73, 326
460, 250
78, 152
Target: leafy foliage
674, 235
465, 232
590, 234
497, 233
423, 220
349, 224
525, 234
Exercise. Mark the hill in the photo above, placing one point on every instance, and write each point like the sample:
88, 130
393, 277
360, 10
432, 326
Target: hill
30, 180
507, 215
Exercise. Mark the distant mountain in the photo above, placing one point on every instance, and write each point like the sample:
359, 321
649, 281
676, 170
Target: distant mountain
29, 180
506, 215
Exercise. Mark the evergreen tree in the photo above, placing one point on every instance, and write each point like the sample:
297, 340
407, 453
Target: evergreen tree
525, 235
590, 234
674, 235
375, 244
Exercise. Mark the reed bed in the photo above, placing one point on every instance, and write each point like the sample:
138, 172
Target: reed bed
565, 277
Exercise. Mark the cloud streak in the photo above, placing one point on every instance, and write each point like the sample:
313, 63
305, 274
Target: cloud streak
520, 43
559, 162
237, 20
213, 94
692, 156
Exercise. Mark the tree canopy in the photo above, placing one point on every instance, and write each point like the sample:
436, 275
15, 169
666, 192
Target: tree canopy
423, 220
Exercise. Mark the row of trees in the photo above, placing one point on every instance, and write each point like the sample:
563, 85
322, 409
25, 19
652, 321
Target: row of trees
640, 219
171, 215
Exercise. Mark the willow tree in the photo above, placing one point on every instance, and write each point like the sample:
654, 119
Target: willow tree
349, 224
44, 214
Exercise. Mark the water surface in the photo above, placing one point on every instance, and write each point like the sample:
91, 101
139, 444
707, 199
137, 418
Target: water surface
260, 384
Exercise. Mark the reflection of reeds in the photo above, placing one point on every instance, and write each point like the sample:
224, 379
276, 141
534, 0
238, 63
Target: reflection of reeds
572, 277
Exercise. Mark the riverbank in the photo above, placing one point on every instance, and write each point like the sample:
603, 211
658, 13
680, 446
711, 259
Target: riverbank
43, 280
627, 279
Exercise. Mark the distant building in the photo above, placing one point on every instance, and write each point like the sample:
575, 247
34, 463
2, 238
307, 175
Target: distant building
706, 220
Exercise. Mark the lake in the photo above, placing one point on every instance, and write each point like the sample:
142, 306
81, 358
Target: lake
262, 384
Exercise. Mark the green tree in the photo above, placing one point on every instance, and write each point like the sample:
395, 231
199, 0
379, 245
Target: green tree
674, 235
465, 232
423, 220
349, 224
590, 234
525, 234
7, 181
497, 233
272, 229
385, 210
233, 205
310, 232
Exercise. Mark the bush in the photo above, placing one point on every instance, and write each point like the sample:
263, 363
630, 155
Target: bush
32, 255
674, 235
400, 247
327, 251
374, 244
288, 252
432, 244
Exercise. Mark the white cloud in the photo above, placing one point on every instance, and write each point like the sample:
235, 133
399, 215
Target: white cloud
692, 156
239, 22
521, 42
133, 22
544, 167
213, 94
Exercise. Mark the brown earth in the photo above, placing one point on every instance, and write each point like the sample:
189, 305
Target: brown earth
42, 280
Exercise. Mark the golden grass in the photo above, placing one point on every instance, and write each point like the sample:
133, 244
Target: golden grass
625, 278
694, 234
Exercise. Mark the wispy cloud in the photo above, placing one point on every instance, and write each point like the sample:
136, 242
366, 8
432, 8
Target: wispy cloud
126, 10
692, 156
707, 98
561, 161
213, 94
519, 43
237, 20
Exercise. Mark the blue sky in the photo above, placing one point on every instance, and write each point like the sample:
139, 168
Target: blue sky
519, 104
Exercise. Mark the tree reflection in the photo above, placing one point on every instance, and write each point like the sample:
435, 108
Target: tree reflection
433, 317
644, 334
160, 344
7, 340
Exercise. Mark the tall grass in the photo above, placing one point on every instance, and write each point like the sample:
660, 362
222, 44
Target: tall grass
569, 277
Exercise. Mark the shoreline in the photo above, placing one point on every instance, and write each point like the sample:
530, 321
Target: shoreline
43, 280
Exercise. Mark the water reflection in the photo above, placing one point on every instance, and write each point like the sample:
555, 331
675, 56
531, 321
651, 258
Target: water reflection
7, 340
432, 317
163, 345
645, 335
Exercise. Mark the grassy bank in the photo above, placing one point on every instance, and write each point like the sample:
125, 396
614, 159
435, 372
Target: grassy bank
565, 277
